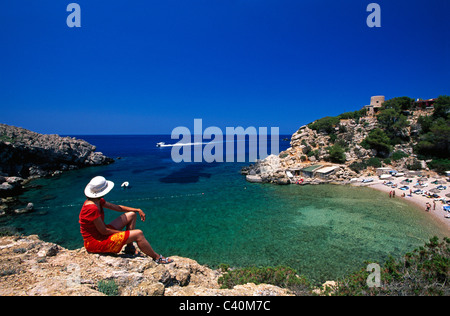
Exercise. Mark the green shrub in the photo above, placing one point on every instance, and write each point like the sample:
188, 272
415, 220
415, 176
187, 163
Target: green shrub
336, 154
378, 140
224, 267
108, 287
399, 104
414, 166
440, 165
342, 129
433, 139
314, 153
342, 143
398, 155
281, 276
333, 137
424, 147
425, 123
442, 107
353, 115
425, 271
325, 124
358, 166
374, 162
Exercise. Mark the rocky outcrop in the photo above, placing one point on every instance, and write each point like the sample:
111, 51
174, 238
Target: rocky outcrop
312, 144
30, 266
10, 186
268, 170
28, 154
312, 147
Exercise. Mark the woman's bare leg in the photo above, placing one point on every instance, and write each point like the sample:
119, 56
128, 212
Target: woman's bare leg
138, 236
127, 220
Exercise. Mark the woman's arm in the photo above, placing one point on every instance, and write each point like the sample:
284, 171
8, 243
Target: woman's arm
102, 229
124, 209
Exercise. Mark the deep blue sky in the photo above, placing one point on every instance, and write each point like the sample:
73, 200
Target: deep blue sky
146, 67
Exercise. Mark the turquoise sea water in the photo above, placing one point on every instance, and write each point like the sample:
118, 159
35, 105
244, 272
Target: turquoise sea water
209, 213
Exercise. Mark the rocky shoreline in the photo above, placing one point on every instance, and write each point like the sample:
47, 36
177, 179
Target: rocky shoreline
314, 146
26, 155
272, 170
32, 267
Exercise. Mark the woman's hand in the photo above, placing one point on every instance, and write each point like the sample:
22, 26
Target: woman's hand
141, 214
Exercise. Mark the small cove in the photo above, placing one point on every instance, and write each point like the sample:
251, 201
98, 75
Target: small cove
209, 213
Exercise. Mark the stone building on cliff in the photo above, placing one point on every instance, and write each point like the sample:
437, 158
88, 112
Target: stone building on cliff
375, 104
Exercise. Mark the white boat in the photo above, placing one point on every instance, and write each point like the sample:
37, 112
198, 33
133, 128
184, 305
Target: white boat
160, 144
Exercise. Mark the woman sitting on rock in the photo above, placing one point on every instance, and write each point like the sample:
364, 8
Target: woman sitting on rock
101, 238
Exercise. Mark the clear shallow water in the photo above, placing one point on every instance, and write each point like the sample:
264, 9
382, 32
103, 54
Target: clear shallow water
208, 212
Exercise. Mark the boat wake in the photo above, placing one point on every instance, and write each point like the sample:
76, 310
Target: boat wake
177, 144
162, 144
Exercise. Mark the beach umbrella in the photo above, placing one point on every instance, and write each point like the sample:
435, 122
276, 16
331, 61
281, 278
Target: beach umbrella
447, 195
441, 182
434, 190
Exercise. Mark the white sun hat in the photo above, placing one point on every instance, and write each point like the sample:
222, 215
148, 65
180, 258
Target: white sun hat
98, 187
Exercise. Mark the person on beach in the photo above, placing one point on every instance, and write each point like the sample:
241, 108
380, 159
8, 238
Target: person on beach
428, 206
101, 238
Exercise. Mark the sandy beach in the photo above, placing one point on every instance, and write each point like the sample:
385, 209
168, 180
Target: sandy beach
418, 200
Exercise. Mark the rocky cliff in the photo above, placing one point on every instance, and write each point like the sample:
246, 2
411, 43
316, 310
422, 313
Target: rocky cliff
342, 142
30, 266
24, 153
27, 155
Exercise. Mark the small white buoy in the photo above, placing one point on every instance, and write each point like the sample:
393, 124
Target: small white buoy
125, 184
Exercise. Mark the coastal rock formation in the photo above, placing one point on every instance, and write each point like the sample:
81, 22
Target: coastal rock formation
10, 186
28, 154
267, 170
30, 266
340, 144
